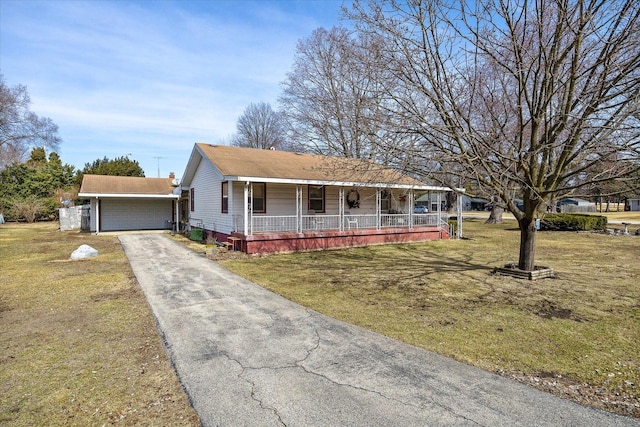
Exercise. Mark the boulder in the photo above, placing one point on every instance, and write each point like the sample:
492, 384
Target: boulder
84, 251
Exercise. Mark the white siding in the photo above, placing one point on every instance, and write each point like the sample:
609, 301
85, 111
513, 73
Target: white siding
331, 200
92, 215
236, 206
367, 202
207, 189
281, 199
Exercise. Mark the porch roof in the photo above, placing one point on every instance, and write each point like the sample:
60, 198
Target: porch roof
256, 165
126, 187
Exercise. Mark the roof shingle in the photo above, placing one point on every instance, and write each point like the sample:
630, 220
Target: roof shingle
105, 184
257, 163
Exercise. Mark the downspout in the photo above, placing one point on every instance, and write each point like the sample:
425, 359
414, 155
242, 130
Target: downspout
97, 215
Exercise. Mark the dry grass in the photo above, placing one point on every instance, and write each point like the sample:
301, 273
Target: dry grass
577, 335
615, 216
79, 345
621, 216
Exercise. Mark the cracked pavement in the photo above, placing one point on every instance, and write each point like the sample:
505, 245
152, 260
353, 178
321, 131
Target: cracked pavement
248, 357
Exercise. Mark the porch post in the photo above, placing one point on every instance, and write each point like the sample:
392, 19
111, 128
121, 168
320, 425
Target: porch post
251, 208
245, 209
411, 198
299, 208
439, 210
378, 209
459, 200
341, 208
176, 203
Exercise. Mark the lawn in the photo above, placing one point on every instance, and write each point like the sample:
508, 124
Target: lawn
577, 335
78, 342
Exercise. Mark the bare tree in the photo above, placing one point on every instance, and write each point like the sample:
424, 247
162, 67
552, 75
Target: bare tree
333, 96
21, 129
260, 127
28, 208
526, 98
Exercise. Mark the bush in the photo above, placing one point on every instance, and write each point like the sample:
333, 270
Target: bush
573, 222
28, 208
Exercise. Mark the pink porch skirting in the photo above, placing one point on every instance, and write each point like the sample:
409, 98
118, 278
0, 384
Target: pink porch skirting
293, 242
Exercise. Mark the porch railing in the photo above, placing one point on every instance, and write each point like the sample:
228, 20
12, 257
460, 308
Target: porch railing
289, 223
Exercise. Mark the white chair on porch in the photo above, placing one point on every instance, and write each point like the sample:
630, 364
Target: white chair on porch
318, 222
350, 220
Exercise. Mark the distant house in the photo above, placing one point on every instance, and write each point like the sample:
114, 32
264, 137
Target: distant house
119, 203
431, 201
633, 204
572, 205
270, 201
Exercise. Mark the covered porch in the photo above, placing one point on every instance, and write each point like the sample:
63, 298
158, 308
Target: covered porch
341, 217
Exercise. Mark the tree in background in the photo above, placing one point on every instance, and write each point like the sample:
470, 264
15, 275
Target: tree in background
20, 128
334, 95
35, 189
120, 166
260, 127
528, 100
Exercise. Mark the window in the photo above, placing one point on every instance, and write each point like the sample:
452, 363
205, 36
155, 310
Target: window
316, 198
259, 198
225, 197
385, 200
191, 199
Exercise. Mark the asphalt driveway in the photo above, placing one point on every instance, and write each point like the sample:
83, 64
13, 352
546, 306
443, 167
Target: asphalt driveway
248, 357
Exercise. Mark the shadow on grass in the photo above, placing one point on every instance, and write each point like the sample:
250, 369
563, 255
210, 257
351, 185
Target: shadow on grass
403, 262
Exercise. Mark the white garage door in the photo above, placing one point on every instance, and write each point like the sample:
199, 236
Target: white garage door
135, 214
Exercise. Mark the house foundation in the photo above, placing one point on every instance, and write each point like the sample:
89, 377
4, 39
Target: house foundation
296, 242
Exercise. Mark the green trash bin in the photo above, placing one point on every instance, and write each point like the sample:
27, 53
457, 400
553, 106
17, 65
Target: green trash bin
197, 234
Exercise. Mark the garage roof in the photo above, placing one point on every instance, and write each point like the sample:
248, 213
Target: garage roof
125, 186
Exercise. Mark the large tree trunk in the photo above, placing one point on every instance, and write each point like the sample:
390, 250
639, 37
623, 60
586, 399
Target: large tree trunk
496, 213
526, 260
451, 198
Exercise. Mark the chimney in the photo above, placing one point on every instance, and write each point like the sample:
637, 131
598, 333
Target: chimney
172, 175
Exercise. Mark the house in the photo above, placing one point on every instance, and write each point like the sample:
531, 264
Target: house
573, 205
274, 201
430, 200
119, 203
632, 204
474, 203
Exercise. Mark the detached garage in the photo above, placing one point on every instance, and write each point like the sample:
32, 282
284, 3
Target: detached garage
121, 203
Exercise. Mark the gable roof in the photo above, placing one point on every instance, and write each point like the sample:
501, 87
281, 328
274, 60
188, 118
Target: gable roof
257, 165
125, 186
